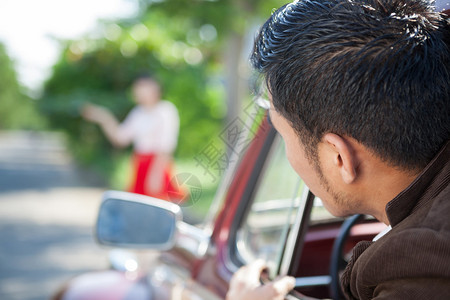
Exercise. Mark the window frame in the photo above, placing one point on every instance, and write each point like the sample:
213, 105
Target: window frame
294, 239
234, 261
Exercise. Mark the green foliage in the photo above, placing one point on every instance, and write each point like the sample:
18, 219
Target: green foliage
101, 71
224, 15
17, 111
181, 41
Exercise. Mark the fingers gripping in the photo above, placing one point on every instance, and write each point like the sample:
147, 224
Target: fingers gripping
245, 284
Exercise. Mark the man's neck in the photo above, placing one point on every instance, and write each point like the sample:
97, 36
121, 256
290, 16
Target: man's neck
386, 184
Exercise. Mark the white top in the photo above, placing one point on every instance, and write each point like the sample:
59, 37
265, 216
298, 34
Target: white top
151, 130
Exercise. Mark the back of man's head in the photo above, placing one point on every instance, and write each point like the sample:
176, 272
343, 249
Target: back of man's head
374, 70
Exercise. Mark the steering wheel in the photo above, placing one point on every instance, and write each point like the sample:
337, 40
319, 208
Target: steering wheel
338, 262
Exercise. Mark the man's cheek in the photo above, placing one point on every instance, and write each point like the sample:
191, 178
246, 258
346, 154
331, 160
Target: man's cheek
290, 157
296, 165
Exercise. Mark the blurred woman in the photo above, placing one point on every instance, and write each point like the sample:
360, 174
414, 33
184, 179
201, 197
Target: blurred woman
152, 127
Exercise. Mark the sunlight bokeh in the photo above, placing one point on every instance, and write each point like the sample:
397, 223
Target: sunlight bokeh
29, 30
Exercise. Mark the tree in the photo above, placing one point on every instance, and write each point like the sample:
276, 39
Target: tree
101, 69
17, 111
196, 48
235, 22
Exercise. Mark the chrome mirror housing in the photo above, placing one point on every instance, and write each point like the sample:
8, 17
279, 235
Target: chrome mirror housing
128, 220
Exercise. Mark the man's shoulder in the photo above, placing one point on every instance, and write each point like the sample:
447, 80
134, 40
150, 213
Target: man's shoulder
438, 216
400, 264
404, 261
429, 219
419, 246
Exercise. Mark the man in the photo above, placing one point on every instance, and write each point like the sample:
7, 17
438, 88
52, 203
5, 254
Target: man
360, 93
152, 127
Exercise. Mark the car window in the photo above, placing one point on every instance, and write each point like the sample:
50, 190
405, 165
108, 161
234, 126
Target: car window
264, 230
320, 215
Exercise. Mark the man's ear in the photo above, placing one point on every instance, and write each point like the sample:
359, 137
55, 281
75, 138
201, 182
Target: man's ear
343, 156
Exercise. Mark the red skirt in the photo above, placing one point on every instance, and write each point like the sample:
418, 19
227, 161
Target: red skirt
142, 163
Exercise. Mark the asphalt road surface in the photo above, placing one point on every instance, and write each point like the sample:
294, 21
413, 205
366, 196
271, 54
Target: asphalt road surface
47, 210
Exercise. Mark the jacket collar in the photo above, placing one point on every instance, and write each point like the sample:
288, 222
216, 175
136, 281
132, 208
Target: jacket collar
431, 181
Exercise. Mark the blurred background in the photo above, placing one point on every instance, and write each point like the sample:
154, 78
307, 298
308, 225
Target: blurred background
56, 55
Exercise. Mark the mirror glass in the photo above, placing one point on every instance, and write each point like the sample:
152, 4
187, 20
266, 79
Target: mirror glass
130, 224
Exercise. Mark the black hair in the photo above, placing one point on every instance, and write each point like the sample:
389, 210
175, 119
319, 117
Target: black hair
145, 75
374, 70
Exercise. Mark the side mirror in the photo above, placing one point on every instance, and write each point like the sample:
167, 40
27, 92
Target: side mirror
128, 220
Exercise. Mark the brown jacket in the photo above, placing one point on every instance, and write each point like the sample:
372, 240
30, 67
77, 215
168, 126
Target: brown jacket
412, 261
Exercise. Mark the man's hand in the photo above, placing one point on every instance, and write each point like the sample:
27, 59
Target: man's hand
245, 284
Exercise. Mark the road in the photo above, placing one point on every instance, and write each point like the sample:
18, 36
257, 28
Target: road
47, 210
